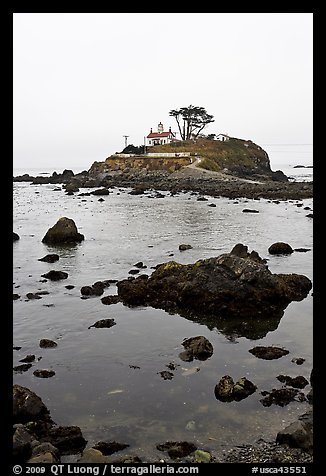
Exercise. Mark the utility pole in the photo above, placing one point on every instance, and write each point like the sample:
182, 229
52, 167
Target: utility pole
126, 137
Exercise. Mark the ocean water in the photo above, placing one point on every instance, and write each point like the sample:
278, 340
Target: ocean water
107, 381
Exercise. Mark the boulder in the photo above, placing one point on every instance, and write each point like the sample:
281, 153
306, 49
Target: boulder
280, 248
296, 382
196, 347
44, 373
27, 406
184, 247
47, 343
226, 286
226, 390
103, 323
64, 231
298, 434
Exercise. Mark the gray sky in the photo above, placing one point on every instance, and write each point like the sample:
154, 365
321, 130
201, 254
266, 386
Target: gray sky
84, 80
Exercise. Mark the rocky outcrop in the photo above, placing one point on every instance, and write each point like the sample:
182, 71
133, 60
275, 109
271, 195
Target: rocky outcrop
235, 284
196, 348
64, 231
36, 438
226, 390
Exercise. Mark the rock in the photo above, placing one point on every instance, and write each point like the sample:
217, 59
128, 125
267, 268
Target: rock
27, 406
95, 290
202, 199
243, 388
44, 373
302, 250
50, 258
92, 456
226, 390
249, 210
68, 439
108, 448
166, 375
184, 247
298, 360
226, 286
47, 343
177, 449
296, 382
22, 368
47, 457
268, 352
64, 231
134, 271
111, 299
22, 448
15, 296
202, 456
298, 434
101, 191
198, 347
280, 248
310, 215
16, 237
33, 296
45, 449
69, 286
281, 397
104, 323
55, 275
28, 358
140, 265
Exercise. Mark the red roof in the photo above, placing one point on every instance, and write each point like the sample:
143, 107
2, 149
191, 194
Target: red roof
159, 134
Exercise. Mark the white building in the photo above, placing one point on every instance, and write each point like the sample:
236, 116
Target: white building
222, 137
160, 137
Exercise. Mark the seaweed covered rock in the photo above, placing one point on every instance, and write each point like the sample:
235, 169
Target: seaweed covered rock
235, 284
64, 231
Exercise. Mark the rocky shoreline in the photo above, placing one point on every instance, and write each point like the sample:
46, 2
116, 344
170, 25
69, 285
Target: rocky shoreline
185, 180
37, 439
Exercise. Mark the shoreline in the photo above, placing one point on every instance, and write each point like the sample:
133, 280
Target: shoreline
186, 180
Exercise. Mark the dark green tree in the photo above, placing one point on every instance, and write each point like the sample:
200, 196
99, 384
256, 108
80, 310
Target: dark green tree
191, 120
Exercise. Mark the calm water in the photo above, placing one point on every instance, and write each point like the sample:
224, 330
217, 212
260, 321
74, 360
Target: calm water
95, 386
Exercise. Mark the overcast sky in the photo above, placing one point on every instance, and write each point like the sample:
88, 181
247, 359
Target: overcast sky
84, 80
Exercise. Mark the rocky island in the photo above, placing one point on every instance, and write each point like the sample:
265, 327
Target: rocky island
236, 168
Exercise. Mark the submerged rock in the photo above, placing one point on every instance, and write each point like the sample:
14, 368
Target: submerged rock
280, 397
296, 382
177, 449
111, 299
226, 286
268, 352
64, 231
110, 447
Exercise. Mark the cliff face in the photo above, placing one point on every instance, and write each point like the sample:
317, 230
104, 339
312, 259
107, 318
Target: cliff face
133, 164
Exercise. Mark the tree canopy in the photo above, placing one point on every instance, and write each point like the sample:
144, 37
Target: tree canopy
191, 120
